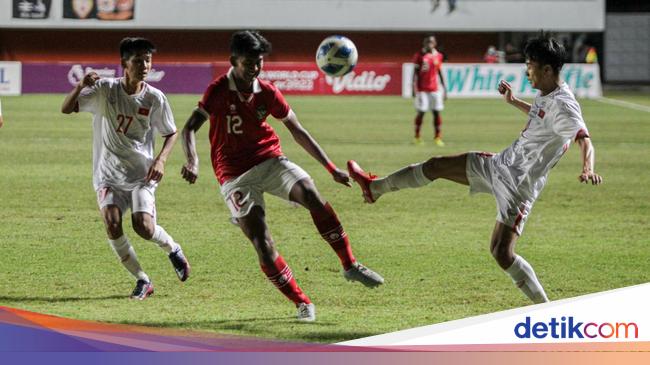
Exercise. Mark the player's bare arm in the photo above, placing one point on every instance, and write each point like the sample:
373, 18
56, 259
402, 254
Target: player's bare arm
190, 170
157, 169
588, 157
416, 71
306, 141
442, 82
505, 89
70, 101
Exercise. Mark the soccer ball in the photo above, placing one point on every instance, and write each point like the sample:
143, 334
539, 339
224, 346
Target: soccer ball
336, 55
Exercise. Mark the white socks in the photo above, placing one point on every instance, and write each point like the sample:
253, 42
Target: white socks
126, 253
164, 240
524, 277
129, 259
411, 176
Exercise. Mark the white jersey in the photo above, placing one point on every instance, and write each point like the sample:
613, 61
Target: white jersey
123, 126
554, 120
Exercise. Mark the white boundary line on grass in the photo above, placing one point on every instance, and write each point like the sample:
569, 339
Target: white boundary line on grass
625, 104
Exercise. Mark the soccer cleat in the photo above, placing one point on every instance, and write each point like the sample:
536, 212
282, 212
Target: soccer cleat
142, 290
306, 312
418, 141
181, 266
363, 275
438, 141
363, 179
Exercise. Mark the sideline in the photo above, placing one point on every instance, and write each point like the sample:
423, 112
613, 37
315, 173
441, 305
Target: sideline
624, 104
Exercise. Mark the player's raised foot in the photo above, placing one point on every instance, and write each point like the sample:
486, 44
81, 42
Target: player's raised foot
363, 179
364, 275
438, 141
306, 312
418, 141
142, 290
181, 265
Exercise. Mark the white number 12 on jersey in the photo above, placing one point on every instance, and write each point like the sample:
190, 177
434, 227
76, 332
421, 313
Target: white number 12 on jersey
233, 123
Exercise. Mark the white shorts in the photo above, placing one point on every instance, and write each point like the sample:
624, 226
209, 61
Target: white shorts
140, 199
275, 176
429, 100
484, 176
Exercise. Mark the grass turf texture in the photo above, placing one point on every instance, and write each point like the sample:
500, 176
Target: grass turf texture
430, 244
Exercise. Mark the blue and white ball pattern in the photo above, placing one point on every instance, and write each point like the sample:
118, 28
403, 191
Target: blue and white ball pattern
336, 55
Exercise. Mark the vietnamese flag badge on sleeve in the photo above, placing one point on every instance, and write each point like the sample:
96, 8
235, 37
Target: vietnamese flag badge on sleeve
143, 111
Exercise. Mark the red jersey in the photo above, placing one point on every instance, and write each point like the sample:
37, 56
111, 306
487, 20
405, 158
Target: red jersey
427, 65
240, 137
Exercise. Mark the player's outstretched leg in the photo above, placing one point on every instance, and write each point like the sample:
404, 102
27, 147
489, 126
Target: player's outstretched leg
411, 176
364, 179
327, 222
332, 231
362, 274
273, 265
145, 225
521, 272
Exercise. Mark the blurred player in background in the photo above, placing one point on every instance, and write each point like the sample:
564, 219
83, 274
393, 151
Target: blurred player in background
517, 175
429, 95
126, 111
248, 161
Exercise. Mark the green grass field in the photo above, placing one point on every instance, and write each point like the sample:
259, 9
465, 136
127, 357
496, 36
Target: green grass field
430, 244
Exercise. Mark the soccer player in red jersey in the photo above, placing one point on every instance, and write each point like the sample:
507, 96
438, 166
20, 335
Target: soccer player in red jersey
248, 161
428, 95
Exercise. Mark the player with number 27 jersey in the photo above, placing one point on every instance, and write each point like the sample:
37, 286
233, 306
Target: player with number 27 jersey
239, 134
123, 131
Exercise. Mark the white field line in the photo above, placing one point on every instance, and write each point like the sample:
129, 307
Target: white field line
624, 104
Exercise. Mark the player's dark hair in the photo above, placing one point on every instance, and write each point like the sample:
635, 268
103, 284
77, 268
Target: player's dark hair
546, 51
427, 36
249, 43
132, 45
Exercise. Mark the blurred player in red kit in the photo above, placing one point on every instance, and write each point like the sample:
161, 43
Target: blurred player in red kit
428, 94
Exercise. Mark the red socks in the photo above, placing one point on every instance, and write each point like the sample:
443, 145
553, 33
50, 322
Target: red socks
437, 123
280, 274
418, 125
330, 229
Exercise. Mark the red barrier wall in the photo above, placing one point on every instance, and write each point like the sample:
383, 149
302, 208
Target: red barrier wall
210, 46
